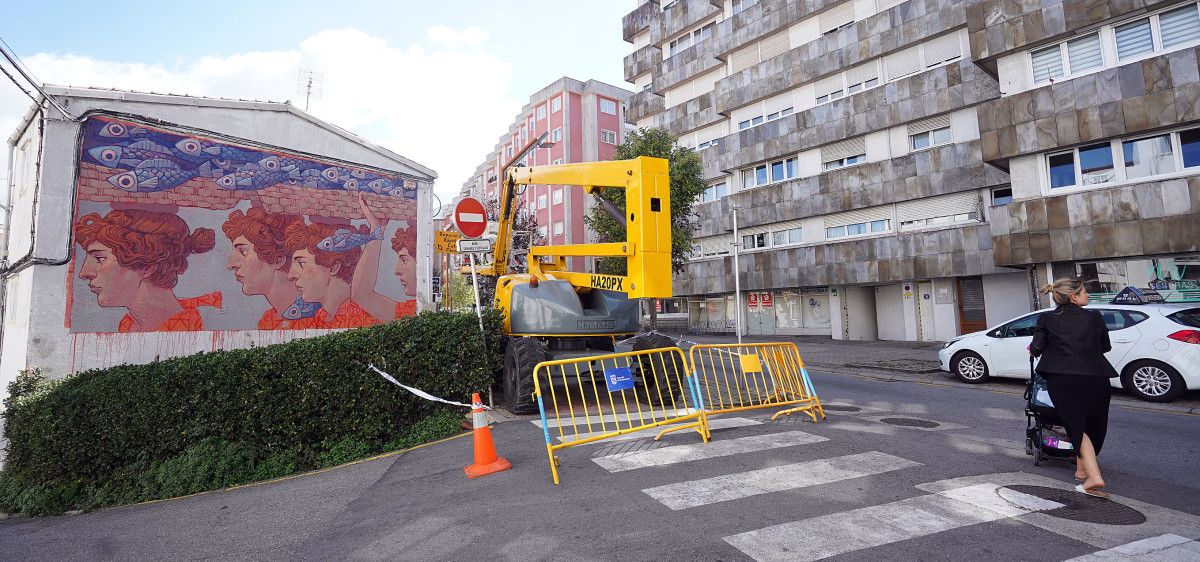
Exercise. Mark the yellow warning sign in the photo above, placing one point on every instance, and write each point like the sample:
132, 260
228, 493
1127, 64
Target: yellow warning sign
750, 363
446, 242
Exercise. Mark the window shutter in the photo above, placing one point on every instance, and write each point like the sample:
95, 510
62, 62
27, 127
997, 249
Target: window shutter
882, 5
713, 132
773, 46
903, 63
778, 103
1047, 64
829, 85
745, 113
678, 94
744, 58
858, 216
706, 83
940, 206
929, 124
1180, 26
839, 150
1134, 39
942, 49
862, 73
1085, 53
837, 17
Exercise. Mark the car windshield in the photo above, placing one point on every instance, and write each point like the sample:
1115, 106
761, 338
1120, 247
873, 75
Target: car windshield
1189, 317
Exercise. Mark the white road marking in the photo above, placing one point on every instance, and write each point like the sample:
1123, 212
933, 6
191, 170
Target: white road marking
713, 424
1164, 548
699, 451
849, 531
685, 495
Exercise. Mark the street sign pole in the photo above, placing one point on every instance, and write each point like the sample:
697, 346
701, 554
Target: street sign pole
475, 282
737, 282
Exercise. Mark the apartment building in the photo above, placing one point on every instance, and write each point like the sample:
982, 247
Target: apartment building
912, 170
584, 122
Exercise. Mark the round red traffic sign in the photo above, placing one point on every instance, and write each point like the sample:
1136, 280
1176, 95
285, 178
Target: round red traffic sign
470, 218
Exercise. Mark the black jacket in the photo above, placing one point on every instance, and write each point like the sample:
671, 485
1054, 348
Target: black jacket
1072, 340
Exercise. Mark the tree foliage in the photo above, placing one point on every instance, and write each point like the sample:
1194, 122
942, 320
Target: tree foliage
686, 185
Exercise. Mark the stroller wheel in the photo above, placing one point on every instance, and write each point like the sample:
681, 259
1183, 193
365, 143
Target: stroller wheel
1028, 445
1037, 448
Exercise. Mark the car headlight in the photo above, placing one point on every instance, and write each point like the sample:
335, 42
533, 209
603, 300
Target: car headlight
949, 343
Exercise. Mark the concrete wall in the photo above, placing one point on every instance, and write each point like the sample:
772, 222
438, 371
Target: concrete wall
1005, 296
35, 296
861, 323
889, 312
945, 309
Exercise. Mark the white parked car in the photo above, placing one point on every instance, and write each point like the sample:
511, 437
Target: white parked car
1155, 347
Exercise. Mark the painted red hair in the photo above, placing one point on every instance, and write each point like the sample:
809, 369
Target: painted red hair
265, 231
146, 241
300, 236
405, 239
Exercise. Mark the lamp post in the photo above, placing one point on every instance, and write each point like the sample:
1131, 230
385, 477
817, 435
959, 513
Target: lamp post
737, 279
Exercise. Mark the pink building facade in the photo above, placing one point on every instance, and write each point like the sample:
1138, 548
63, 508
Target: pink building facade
585, 123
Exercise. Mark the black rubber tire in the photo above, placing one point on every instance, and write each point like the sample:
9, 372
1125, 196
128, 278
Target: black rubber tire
1037, 448
659, 372
1175, 389
957, 366
520, 358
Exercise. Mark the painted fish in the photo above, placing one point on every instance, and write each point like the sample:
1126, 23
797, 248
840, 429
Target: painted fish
151, 175
121, 131
198, 148
252, 176
332, 177
383, 185
301, 309
136, 152
276, 163
344, 239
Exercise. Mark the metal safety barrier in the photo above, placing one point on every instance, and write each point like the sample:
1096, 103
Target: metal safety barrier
600, 397
737, 377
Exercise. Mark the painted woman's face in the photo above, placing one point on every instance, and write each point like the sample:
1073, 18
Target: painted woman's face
113, 283
252, 272
310, 278
406, 270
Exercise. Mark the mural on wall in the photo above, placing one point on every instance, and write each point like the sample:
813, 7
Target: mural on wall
182, 232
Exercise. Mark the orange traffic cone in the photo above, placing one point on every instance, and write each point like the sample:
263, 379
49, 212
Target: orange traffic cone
486, 460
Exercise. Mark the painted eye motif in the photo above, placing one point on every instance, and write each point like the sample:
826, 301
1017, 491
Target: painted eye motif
114, 129
226, 181
351, 184
358, 173
126, 181
189, 146
330, 174
270, 164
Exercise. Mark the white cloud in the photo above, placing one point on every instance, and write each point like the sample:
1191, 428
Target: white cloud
441, 107
451, 38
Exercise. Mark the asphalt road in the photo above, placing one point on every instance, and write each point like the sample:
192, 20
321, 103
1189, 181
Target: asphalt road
853, 487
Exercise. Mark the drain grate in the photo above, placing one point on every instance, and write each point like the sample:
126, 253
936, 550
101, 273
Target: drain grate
840, 408
1082, 507
909, 422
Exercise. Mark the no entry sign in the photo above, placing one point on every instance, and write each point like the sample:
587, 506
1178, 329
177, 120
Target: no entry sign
470, 217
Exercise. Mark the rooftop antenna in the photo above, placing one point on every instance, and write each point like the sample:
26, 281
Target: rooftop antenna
309, 83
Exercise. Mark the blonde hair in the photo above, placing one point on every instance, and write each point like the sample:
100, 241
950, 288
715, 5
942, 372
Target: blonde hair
1063, 289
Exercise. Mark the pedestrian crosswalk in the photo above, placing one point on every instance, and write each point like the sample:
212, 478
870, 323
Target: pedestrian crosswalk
856, 524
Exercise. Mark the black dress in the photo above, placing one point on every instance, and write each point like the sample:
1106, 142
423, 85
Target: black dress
1071, 342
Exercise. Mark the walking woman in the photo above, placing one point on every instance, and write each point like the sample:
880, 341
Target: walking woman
1071, 342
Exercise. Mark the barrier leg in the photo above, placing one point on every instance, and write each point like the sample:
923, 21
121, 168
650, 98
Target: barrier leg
546, 433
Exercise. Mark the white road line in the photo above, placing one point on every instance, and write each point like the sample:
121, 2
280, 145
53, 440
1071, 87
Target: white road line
849, 531
699, 451
684, 495
713, 424
1163, 548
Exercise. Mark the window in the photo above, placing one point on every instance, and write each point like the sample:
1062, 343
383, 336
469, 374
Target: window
935, 221
558, 196
740, 5
541, 232
608, 106
688, 39
531, 125
557, 161
1001, 196
1148, 157
1096, 164
1019, 328
1047, 64
1179, 26
714, 192
556, 135
847, 161
608, 137
556, 104
541, 201
859, 228
786, 237
510, 151
930, 138
1134, 39
1062, 169
541, 112
763, 174
754, 241
707, 144
1168, 30
1189, 144
558, 228
1085, 53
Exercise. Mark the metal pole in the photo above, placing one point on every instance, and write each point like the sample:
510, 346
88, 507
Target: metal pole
475, 282
737, 279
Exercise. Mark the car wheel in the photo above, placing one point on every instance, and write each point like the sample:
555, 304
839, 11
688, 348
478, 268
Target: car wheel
1152, 381
969, 367
520, 358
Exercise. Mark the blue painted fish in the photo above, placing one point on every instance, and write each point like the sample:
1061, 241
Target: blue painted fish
252, 176
344, 240
150, 176
301, 309
383, 185
276, 163
136, 152
115, 130
198, 148
332, 177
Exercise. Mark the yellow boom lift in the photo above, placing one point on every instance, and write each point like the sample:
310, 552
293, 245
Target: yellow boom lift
553, 313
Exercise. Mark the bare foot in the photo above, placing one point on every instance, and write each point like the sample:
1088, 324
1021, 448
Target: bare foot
1093, 484
1080, 475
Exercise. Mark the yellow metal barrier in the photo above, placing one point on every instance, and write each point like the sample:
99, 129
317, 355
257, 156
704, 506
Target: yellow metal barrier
736, 377
603, 396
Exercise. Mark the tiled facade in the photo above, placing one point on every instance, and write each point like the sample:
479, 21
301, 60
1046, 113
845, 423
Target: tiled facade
969, 81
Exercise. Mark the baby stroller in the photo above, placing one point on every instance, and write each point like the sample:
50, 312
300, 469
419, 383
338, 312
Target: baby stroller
1045, 437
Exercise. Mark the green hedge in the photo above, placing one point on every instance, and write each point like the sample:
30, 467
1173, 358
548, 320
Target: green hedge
136, 432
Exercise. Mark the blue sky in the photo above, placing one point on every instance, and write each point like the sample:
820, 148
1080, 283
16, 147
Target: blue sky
391, 68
